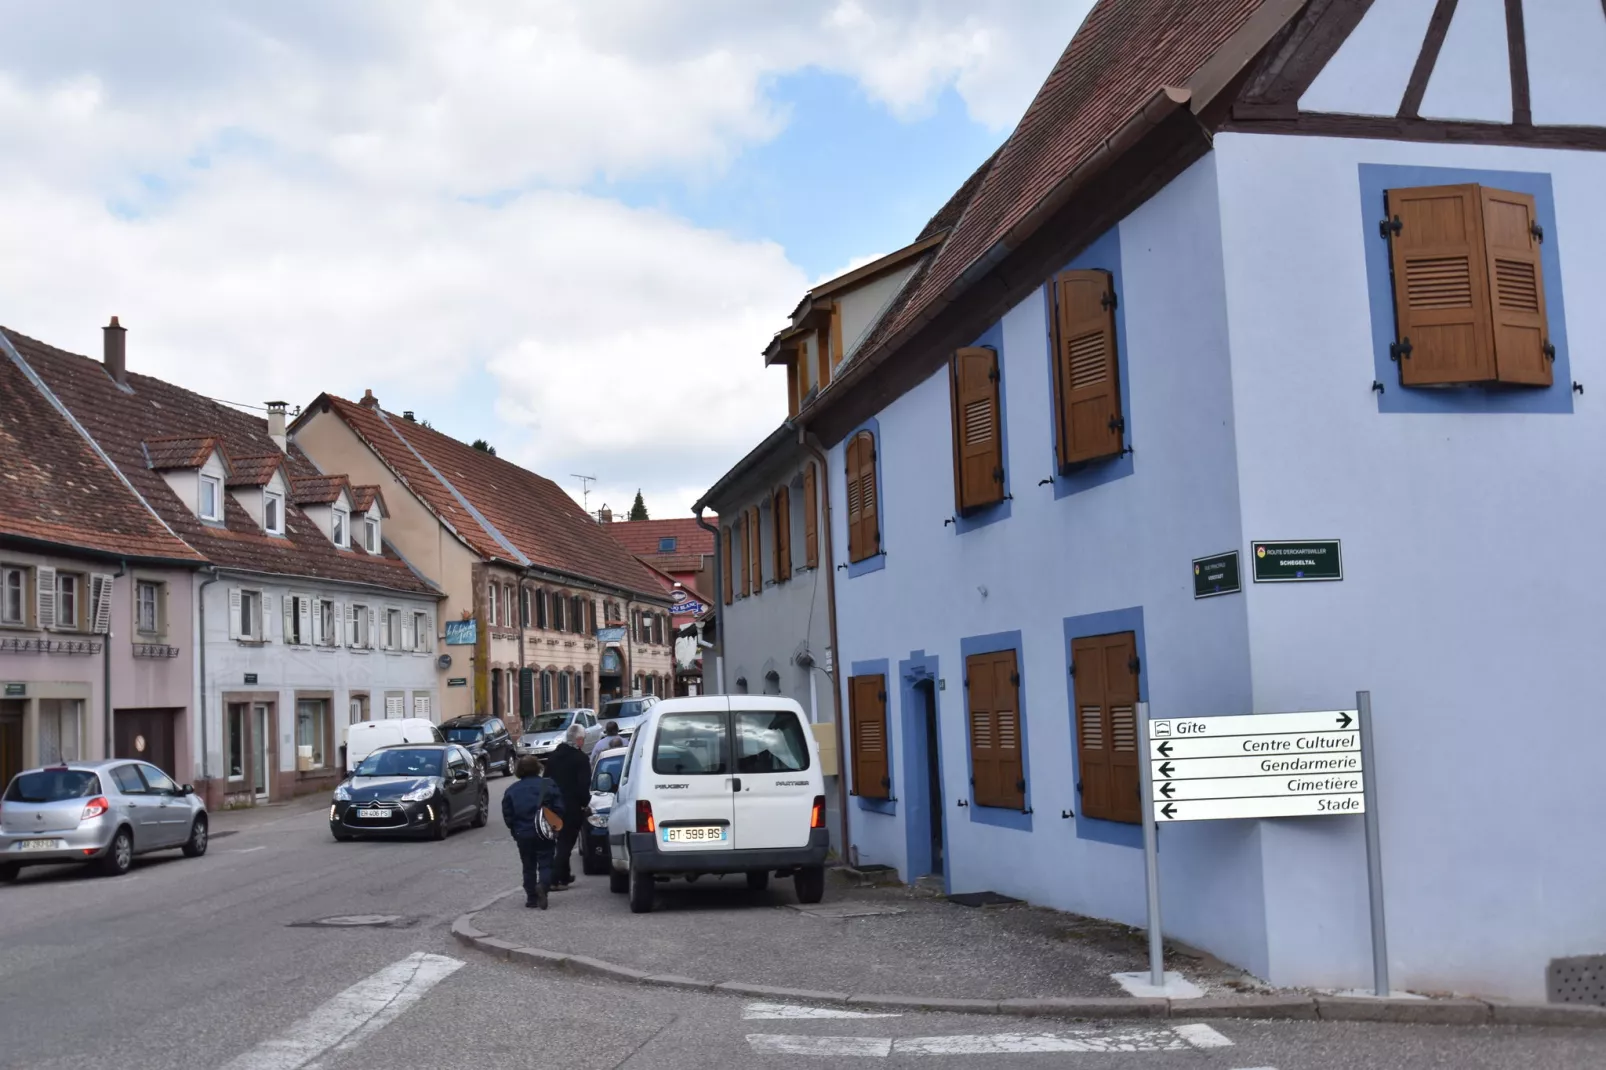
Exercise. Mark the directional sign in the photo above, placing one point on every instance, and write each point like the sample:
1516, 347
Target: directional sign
1261, 765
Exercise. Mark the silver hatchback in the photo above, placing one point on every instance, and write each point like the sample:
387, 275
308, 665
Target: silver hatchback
102, 813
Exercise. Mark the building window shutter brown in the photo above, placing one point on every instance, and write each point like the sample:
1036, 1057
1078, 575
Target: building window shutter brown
867, 714
811, 519
1087, 372
730, 565
992, 684
978, 436
747, 556
1106, 688
781, 514
855, 505
864, 533
757, 554
1441, 286
1516, 288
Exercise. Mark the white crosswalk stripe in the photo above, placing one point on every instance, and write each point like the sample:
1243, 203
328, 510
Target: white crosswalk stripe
1119, 1039
351, 1016
760, 1012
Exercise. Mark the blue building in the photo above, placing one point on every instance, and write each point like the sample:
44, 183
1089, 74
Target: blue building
1251, 272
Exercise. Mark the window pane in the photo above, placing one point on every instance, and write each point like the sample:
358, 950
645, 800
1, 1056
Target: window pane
147, 607
309, 732
770, 742
563, 690
208, 498
66, 601
59, 720
691, 743
237, 730
127, 779
53, 785
13, 596
158, 781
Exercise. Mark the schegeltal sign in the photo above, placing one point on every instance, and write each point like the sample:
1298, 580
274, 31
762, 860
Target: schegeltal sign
1297, 562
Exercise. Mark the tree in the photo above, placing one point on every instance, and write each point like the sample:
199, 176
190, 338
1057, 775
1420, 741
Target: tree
484, 446
639, 510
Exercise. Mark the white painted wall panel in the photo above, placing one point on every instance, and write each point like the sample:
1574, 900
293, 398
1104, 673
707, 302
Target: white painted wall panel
1566, 61
1472, 79
1369, 72
861, 308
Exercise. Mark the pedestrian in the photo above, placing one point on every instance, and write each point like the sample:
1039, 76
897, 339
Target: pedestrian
570, 769
610, 739
521, 809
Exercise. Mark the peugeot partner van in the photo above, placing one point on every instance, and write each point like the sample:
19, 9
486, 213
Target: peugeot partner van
365, 737
720, 784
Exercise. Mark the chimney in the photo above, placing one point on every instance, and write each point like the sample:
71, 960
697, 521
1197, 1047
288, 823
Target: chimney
605, 515
116, 350
276, 424
409, 417
369, 401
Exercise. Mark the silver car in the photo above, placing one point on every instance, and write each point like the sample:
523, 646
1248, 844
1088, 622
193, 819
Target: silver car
101, 813
545, 731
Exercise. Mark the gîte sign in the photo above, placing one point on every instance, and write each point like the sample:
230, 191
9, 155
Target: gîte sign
1261, 765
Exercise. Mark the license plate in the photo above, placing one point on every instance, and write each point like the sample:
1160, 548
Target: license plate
373, 813
40, 845
695, 834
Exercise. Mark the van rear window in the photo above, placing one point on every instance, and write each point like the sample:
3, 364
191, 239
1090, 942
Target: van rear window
771, 741
692, 744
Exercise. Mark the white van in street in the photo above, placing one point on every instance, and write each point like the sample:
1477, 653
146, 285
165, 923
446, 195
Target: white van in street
365, 737
720, 784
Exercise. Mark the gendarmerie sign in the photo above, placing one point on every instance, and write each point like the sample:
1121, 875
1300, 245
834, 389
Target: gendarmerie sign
1297, 562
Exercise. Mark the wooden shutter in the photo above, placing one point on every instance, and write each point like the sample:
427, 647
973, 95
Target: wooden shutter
1516, 288
747, 550
100, 585
337, 617
287, 606
755, 554
855, 507
729, 578
1087, 371
811, 519
304, 617
867, 714
864, 533
1441, 286
368, 643
781, 514
1106, 687
44, 594
992, 695
978, 436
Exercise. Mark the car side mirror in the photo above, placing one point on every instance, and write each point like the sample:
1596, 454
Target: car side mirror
604, 781
187, 789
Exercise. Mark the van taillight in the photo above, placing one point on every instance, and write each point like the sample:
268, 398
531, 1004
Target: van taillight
817, 817
644, 821
94, 808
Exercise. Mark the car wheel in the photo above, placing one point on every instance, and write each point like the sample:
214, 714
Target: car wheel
809, 883
483, 813
483, 769
119, 856
758, 880
641, 890
8, 872
195, 846
340, 834
618, 883
443, 822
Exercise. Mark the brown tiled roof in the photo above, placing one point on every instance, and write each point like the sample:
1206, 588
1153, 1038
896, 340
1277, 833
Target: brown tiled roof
363, 498
252, 471
317, 490
1124, 53
641, 538
56, 489
500, 510
181, 451
120, 420
948, 215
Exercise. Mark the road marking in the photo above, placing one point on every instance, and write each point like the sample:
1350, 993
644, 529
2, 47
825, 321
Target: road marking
350, 1017
1126, 1039
774, 1011
246, 850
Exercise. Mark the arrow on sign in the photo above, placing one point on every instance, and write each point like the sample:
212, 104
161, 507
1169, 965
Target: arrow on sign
1168, 789
1165, 769
1345, 720
1169, 810
1164, 749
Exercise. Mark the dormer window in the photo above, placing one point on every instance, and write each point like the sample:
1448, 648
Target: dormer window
667, 544
338, 531
273, 513
211, 505
370, 535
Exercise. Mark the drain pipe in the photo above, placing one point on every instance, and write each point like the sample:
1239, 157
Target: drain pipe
811, 442
719, 596
200, 653
106, 666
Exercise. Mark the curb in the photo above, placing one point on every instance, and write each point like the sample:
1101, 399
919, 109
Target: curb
1096, 1008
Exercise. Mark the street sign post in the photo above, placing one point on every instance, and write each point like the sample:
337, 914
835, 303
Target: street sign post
1265, 765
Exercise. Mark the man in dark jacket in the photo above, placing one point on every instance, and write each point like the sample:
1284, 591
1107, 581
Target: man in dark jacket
569, 768
521, 806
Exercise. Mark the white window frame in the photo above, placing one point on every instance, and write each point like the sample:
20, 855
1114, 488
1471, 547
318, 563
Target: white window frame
251, 612
327, 632
19, 574
155, 589
272, 499
370, 534
391, 628
357, 634
65, 621
423, 637
216, 486
340, 528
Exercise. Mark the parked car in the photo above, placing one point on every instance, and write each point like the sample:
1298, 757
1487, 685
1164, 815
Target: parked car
720, 784
487, 739
594, 834
627, 713
545, 730
365, 737
414, 789
99, 813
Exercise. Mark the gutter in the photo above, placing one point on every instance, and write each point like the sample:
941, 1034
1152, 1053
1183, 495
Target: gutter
106, 665
809, 441
200, 647
719, 590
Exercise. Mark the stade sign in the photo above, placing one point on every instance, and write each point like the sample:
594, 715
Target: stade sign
1261, 765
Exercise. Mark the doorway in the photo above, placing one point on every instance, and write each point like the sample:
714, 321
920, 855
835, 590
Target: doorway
260, 721
11, 759
147, 735
928, 700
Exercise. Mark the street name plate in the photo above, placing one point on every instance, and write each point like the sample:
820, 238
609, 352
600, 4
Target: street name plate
1297, 562
1260, 765
1216, 575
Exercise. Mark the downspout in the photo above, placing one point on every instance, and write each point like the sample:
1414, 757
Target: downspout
200, 650
719, 595
106, 666
811, 442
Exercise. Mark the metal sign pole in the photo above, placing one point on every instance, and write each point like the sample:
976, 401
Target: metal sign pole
1374, 851
1151, 852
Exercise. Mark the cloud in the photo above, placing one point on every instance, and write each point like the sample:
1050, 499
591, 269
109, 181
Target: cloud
286, 198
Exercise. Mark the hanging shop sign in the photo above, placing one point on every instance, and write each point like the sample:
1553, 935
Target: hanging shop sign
462, 632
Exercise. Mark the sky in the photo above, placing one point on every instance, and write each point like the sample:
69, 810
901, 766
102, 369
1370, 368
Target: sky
568, 227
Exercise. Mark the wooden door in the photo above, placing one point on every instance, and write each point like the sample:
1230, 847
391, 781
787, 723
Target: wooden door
147, 735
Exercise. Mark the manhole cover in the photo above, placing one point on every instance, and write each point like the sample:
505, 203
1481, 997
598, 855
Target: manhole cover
982, 899
845, 910
359, 921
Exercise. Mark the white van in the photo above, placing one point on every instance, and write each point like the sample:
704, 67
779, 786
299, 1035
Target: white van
365, 737
720, 784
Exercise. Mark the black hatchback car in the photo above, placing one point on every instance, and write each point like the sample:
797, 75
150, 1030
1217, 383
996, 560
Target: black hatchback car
413, 789
487, 739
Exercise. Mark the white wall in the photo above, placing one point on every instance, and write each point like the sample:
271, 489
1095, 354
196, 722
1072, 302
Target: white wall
863, 305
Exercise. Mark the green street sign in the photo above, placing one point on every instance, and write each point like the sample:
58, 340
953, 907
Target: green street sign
457, 681
1217, 574
1297, 562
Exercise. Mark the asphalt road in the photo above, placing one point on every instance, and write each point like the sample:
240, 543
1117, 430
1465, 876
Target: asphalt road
218, 963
